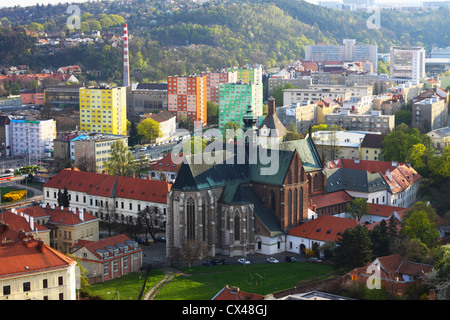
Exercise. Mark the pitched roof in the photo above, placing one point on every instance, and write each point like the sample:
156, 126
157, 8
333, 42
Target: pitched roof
111, 185
372, 140
354, 180
324, 228
272, 122
329, 199
307, 152
166, 164
105, 245
383, 210
24, 255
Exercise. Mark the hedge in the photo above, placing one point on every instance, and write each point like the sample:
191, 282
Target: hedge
14, 195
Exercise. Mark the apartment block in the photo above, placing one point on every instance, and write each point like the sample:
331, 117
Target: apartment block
213, 79
349, 51
93, 150
186, 95
429, 114
103, 110
302, 115
30, 137
248, 74
234, 99
301, 82
407, 64
375, 121
291, 96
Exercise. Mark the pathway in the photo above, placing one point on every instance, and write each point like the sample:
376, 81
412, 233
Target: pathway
169, 276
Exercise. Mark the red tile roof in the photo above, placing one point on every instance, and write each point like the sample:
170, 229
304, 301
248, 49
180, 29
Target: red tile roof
232, 293
324, 228
399, 176
385, 210
329, 199
26, 255
166, 164
111, 186
104, 244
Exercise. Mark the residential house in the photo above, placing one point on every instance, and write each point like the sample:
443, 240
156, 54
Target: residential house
402, 179
395, 274
32, 270
108, 258
440, 138
165, 169
370, 148
167, 122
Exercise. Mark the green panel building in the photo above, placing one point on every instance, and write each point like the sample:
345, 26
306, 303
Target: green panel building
234, 99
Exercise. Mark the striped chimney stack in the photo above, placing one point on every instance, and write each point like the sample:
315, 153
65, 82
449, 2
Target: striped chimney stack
126, 66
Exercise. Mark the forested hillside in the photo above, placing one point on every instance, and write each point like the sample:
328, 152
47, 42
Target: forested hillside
186, 37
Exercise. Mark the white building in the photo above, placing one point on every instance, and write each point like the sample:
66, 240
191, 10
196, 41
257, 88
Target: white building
30, 137
407, 64
167, 122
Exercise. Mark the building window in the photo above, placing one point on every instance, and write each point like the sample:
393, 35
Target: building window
61, 296
45, 283
237, 227
26, 286
190, 218
6, 290
60, 281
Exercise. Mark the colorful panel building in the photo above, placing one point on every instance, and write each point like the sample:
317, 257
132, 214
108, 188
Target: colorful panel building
103, 109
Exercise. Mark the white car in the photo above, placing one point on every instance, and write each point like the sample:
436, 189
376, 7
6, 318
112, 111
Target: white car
243, 261
272, 260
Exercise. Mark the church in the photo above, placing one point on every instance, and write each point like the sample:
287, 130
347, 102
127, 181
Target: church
234, 208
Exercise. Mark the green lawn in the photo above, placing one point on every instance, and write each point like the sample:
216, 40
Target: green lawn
128, 286
205, 281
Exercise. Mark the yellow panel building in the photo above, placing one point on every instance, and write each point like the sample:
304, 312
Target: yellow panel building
103, 109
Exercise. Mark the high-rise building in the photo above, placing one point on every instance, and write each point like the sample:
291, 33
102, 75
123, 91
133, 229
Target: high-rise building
234, 100
103, 110
349, 51
248, 74
186, 95
30, 137
213, 79
407, 64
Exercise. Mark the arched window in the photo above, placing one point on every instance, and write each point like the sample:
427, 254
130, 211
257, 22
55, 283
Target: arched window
300, 203
237, 227
295, 206
296, 170
190, 219
289, 177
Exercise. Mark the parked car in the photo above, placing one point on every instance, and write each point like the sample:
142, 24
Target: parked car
243, 261
216, 262
313, 259
160, 239
290, 259
272, 260
207, 263
224, 261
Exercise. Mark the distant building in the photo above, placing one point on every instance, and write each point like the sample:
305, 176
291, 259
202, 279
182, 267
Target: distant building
349, 51
370, 148
301, 115
341, 144
30, 137
146, 97
248, 74
271, 128
186, 95
103, 110
214, 79
167, 122
5, 136
234, 100
440, 138
430, 114
64, 95
164, 169
406, 64
373, 122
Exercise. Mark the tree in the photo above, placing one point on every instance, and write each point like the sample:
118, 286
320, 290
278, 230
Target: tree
381, 240
149, 129
190, 251
194, 144
358, 207
121, 162
354, 248
152, 220
418, 226
292, 133
108, 216
63, 198
212, 111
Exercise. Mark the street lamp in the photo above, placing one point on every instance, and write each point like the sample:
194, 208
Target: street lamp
118, 296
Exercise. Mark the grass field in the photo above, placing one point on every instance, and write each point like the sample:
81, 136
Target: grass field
128, 286
204, 282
